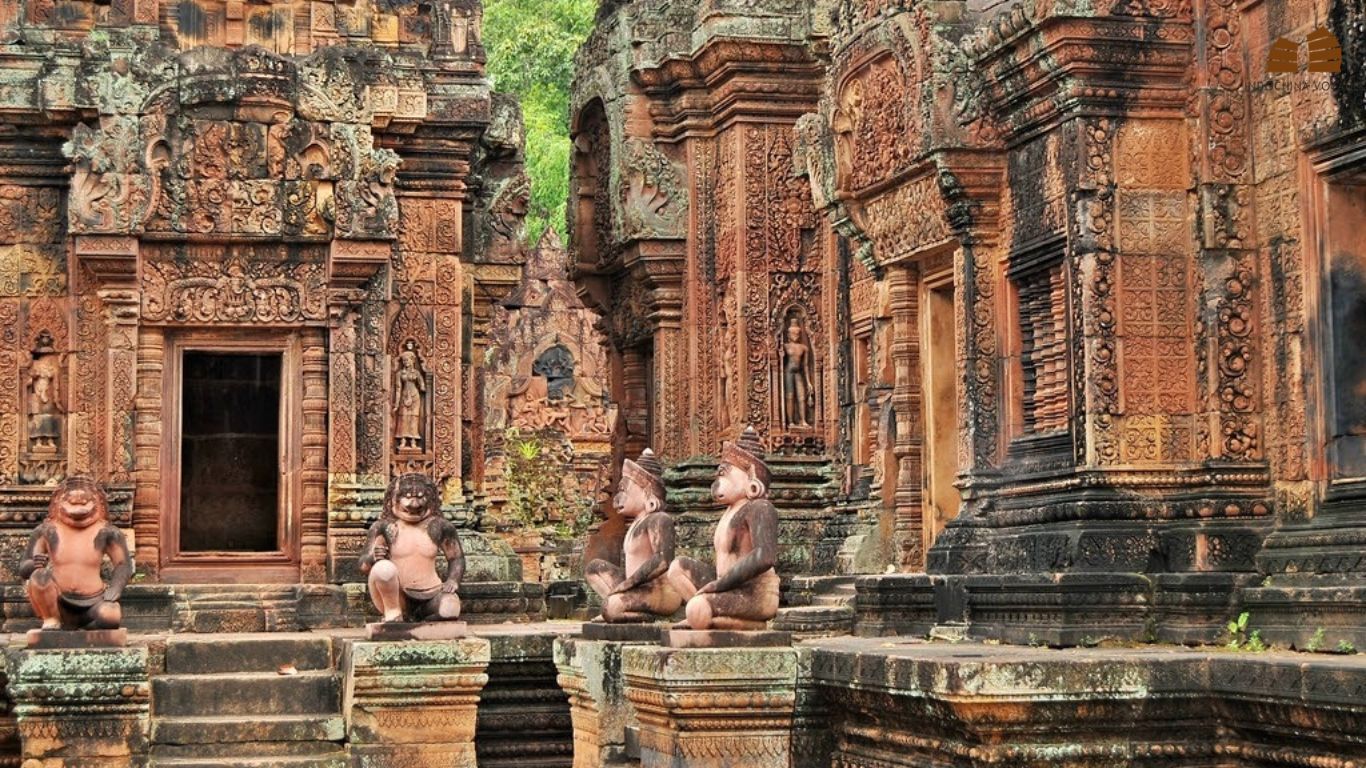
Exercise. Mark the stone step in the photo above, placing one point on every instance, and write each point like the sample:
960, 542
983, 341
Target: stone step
236, 730
248, 750
249, 653
337, 759
246, 694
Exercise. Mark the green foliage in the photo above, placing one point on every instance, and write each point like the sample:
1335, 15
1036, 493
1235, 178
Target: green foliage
1345, 646
1241, 639
531, 45
542, 496
1315, 641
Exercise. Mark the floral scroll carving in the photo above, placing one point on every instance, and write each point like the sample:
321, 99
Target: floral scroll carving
241, 290
654, 198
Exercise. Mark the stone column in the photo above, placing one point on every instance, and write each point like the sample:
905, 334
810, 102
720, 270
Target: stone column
414, 703
713, 707
81, 707
590, 672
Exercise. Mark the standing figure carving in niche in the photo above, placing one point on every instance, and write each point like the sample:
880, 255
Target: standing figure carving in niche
799, 397
641, 591
410, 390
400, 555
64, 557
44, 414
741, 593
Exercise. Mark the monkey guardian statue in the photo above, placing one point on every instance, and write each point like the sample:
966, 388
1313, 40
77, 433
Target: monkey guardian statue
64, 558
400, 555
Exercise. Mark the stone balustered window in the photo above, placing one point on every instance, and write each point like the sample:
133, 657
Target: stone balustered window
1042, 301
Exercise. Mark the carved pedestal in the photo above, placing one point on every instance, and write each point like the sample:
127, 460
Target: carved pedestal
85, 708
590, 672
414, 703
709, 708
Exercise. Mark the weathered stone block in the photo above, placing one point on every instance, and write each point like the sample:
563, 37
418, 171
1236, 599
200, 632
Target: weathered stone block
590, 673
706, 708
82, 707
414, 703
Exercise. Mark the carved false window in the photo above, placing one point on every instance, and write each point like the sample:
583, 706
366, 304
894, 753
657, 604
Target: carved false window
556, 365
1043, 364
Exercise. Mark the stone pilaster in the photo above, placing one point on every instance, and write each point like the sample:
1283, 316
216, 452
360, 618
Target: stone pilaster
590, 672
81, 707
414, 703
713, 707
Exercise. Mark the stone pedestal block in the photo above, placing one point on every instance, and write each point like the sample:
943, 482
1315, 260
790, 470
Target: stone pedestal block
713, 707
590, 672
82, 707
414, 703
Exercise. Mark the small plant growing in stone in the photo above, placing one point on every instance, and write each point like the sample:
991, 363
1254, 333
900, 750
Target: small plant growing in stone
1243, 639
1315, 641
1345, 646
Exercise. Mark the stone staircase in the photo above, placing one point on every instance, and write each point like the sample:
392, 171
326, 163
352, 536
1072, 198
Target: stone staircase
818, 606
222, 702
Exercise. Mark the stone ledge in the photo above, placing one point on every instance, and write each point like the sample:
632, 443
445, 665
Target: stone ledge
899, 702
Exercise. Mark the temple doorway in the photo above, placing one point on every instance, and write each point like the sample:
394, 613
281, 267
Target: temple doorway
939, 373
227, 513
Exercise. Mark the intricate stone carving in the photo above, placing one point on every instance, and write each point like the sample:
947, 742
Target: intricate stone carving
876, 128
654, 199
798, 382
44, 458
410, 401
246, 288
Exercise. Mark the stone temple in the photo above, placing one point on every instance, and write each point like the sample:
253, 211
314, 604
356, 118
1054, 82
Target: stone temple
1051, 317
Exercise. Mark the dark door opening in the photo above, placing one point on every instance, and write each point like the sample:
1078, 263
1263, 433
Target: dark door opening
230, 452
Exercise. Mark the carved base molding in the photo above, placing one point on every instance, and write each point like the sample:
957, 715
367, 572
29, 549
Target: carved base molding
897, 705
1066, 609
713, 708
590, 673
414, 703
159, 608
1294, 614
82, 706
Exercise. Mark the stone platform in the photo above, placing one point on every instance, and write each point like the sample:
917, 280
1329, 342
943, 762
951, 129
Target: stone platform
590, 673
327, 699
712, 707
897, 702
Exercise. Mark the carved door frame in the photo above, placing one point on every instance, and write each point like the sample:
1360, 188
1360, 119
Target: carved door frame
282, 565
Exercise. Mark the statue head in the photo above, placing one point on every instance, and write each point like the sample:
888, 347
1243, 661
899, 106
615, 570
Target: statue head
642, 486
742, 473
78, 502
412, 498
794, 329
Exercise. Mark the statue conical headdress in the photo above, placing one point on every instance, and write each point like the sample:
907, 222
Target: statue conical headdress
646, 472
747, 453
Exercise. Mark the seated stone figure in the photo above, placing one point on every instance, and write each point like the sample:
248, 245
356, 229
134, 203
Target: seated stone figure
64, 558
744, 596
640, 591
400, 555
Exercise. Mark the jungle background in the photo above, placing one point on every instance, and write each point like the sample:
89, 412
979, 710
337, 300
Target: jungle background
531, 45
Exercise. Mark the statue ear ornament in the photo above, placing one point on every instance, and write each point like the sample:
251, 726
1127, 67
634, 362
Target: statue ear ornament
755, 489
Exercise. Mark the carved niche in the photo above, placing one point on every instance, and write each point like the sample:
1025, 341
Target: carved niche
43, 458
